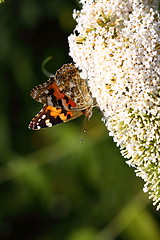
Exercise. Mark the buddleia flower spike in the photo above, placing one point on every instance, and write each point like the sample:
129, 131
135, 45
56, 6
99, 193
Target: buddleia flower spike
117, 44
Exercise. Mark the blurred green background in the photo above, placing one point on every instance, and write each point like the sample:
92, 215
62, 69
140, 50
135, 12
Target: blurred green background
52, 187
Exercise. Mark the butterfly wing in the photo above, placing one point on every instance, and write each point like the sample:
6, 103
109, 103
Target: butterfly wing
69, 81
40, 92
50, 116
66, 89
49, 93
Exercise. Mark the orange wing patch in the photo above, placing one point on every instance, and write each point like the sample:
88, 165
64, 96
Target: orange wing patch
58, 112
58, 95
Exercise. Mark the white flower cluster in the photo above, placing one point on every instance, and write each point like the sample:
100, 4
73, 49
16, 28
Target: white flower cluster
116, 44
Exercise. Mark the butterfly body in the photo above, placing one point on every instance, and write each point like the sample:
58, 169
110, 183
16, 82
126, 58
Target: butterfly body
65, 96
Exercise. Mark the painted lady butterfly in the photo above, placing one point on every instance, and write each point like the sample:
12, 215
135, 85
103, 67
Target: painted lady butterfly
65, 96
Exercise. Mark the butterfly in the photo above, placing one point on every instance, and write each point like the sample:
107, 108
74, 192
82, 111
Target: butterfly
65, 96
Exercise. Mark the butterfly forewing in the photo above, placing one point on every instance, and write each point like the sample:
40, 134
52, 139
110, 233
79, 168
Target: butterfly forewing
50, 116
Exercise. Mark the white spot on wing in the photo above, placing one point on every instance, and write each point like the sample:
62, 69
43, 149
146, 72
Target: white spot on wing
43, 116
48, 123
49, 101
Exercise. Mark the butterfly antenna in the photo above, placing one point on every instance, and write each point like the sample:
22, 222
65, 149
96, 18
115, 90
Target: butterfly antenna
48, 74
83, 129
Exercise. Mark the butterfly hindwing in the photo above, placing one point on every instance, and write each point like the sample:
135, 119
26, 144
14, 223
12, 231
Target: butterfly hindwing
50, 116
